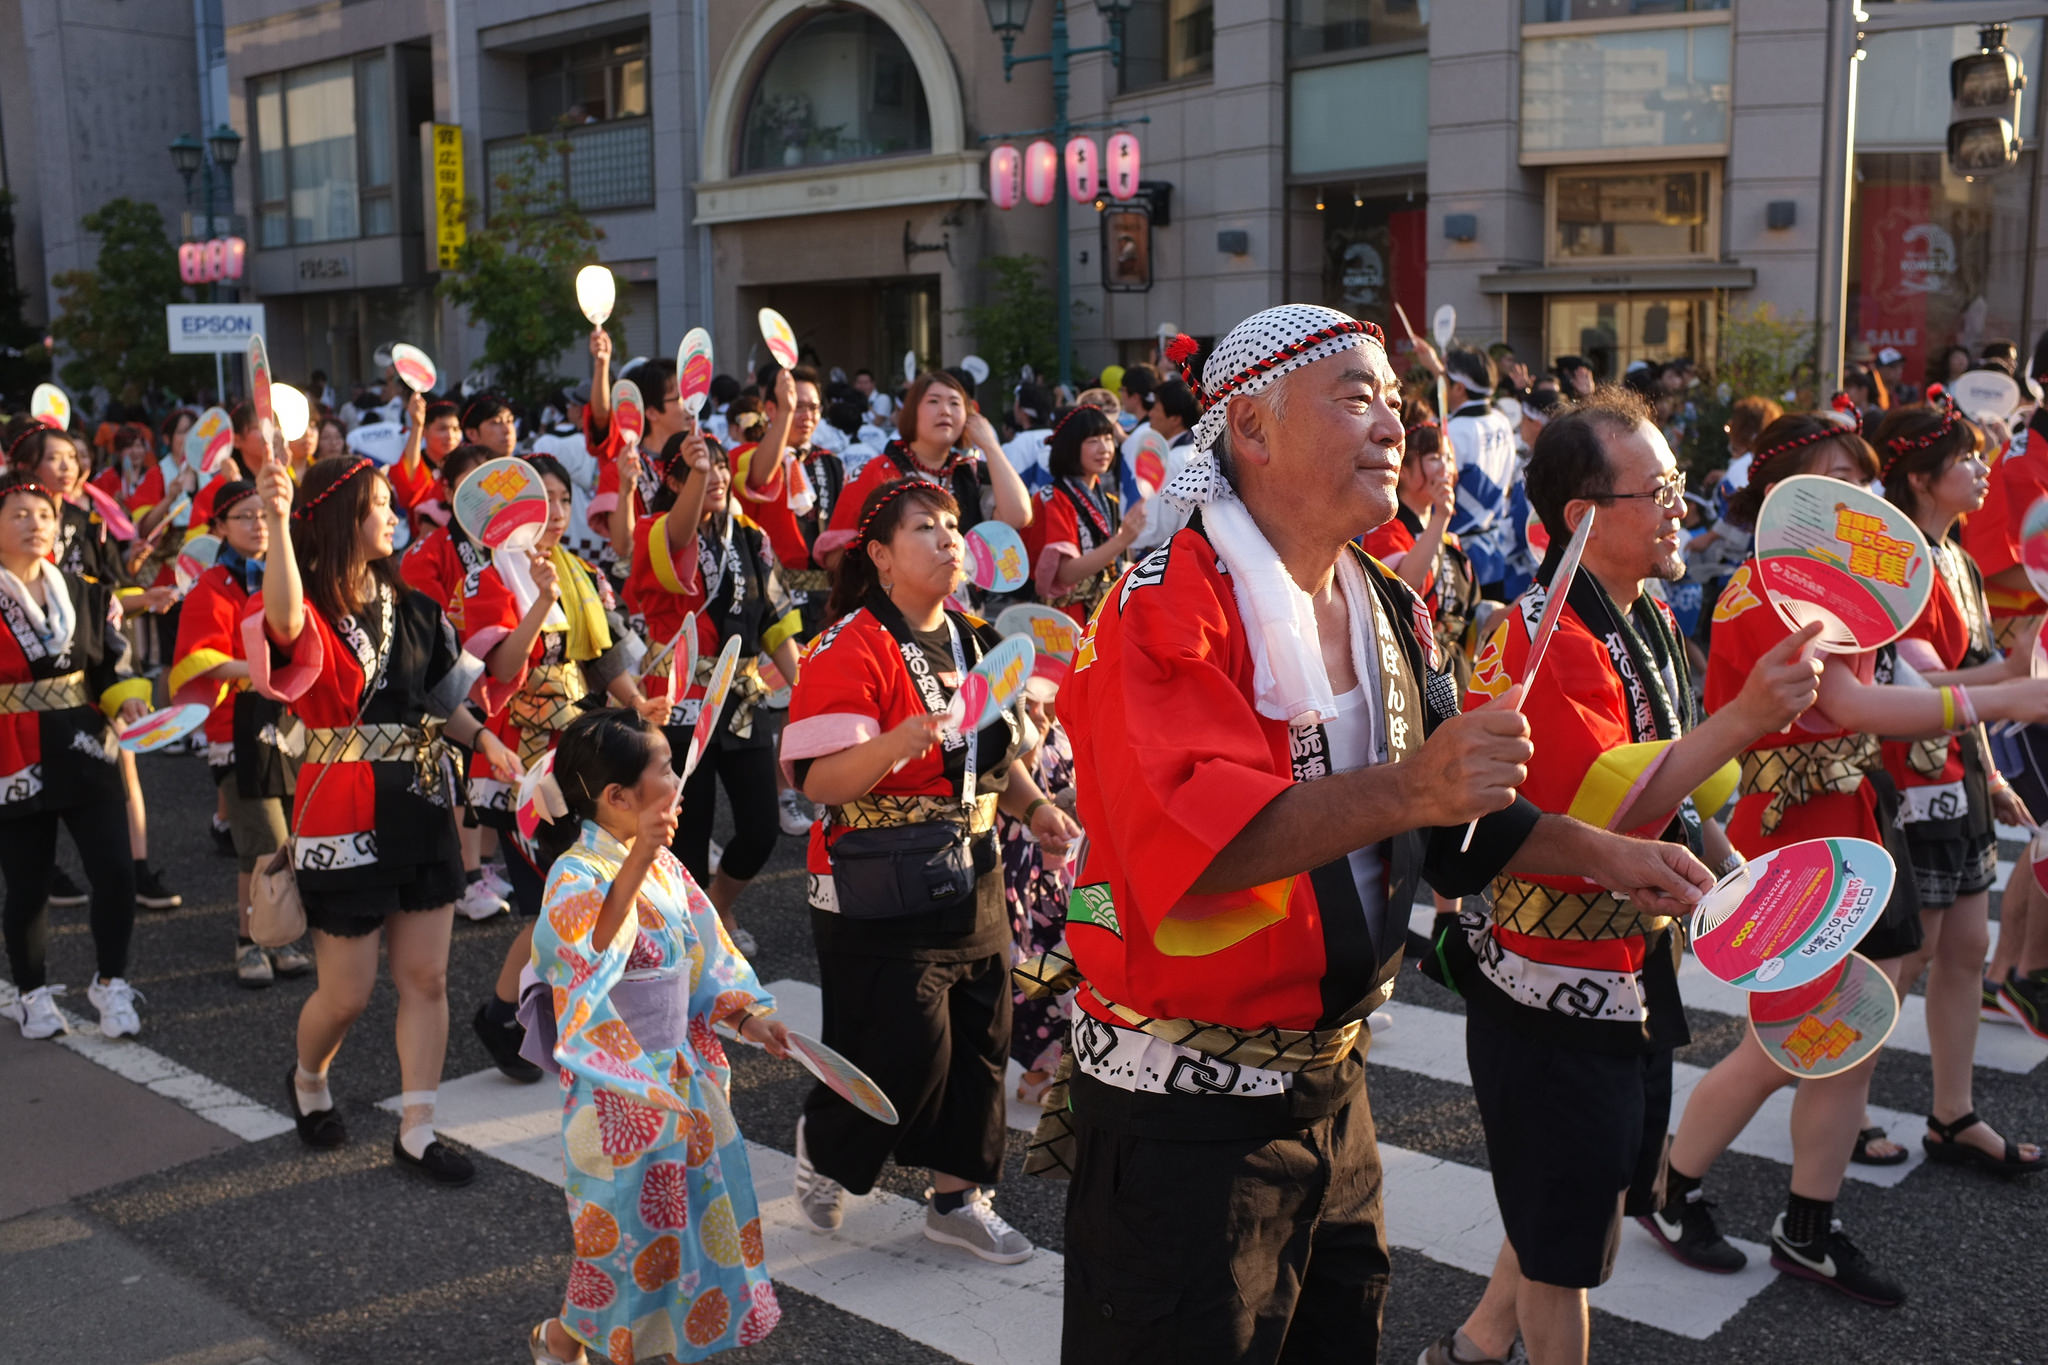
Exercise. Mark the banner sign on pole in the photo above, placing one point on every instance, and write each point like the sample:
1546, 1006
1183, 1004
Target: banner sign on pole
212, 328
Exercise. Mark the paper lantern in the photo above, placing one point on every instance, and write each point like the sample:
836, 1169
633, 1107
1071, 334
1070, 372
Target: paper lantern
1084, 169
1005, 176
1120, 165
1041, 172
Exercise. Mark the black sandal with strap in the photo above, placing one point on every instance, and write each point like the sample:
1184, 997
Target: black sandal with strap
1862, 1154
1944, 1147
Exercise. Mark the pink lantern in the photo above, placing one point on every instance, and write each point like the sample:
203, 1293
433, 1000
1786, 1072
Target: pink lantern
1005, 176
1084, 169
1041, 172
1120, 165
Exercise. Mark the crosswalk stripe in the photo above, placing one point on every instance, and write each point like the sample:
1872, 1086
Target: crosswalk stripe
2000, 1048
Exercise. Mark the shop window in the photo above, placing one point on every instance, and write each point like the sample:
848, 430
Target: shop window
596, 81
1568, 11
1935, 260
1319, 26
1612, 331
324, 152
1168, 40
1326, 135
1625, 90
840, 87
1375, 252
1601, 214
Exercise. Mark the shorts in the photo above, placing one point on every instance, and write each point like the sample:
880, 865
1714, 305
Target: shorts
355, 911
1569, 1132
256, 823
1956, 857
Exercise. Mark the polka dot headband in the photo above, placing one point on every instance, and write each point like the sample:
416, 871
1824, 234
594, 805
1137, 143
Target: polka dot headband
1259, 350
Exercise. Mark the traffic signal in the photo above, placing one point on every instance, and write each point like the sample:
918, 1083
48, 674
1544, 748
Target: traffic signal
1984, 114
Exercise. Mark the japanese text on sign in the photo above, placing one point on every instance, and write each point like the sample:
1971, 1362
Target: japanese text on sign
451, 227
1872, 553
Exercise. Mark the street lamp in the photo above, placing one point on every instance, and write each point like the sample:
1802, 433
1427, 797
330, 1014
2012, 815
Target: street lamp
186, 154
1007, 18
226, 145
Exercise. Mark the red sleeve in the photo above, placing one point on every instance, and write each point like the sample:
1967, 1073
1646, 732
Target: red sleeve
1390, 544
488, 614
429, 566
411, 488
769, 509
208, 621
202, 501
846, 516
1053, 535
838, 700
147, 494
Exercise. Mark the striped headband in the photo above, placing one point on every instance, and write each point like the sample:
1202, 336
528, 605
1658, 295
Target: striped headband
30, 486
890, 493
305, 512
233, 496
1258, 351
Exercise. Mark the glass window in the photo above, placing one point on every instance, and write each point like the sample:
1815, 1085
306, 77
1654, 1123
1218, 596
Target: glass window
1597, 214
1612, 331
840, 87
1912, 68
1561, 11
1168, 40
1935, 260
375, 103
1375, 253
1319, 26
588, 82
275, 224
1325, 133
1649, 88
320, 155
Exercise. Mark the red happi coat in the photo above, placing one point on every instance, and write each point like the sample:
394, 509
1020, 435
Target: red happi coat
56, 760
1067, 524
367, 824
963, 476
445, 564
242, 729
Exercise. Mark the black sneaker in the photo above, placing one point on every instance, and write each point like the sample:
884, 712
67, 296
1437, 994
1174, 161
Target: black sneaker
2025, 998
151, 893
502, 1042
223, 838
1835, 1262
440, 1163
64, 892
1687, 1230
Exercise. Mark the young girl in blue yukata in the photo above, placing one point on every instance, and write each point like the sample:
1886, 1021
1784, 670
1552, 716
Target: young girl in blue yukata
669, 1261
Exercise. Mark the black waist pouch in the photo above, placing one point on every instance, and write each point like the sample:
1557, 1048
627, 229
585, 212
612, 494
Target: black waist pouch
901, 870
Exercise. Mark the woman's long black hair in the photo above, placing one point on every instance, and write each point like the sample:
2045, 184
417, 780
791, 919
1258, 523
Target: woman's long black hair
597, 750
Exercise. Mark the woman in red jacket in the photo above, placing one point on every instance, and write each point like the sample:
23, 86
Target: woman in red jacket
1079, 530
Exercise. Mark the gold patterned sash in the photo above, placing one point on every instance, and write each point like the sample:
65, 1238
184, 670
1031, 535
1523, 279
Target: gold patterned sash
419, 745
1088, 591
44, 694
885, 812
1928, 757
806, 580
1542, 912
545, 704
1797, 773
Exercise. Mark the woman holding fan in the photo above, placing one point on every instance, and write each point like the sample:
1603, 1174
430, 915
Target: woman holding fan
1079, 531
373, 672
916, 990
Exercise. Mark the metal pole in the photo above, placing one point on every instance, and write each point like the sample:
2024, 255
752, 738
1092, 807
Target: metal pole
1063, 285
1838, 182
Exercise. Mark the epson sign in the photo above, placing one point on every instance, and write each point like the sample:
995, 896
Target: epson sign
202, 328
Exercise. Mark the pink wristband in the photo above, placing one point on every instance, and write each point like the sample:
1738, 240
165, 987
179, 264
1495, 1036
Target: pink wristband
1966, 714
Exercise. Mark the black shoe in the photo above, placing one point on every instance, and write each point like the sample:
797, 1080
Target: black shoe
502, 1042
441, 1164
2025, 998
1835, 1262
223, 838
64, 892
151, 893
1686, 1230
322, 1129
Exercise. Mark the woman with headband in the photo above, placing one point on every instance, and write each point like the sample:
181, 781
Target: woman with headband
906, 885
1820, 777
372, 671
63, 677
1079, 532
242, 730
1952, 794
697, 554
1418, 545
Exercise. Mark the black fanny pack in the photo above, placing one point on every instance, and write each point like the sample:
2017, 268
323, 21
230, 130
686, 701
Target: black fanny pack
902, 870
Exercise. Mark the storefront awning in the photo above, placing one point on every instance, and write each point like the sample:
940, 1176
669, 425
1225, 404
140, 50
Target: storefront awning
1607, 280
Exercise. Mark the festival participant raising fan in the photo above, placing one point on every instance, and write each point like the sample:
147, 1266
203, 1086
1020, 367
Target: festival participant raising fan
1819, 777
1952, 794
636, 970
241, 730
794, 498
543, 628
943, 441
62, 677
1079, 531
420, 480
696, 554
916, 992
1418, 544
372, 670
666, 418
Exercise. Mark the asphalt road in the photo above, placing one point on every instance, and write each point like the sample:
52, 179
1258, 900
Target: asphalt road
342, 1259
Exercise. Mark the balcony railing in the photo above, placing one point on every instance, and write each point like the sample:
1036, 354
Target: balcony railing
600, 166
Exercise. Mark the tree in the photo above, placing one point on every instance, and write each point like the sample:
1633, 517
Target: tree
1019, 325
516, 276
110, 319
1761, 355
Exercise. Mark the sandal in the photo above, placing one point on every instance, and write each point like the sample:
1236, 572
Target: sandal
1862, 1154
1944, 1147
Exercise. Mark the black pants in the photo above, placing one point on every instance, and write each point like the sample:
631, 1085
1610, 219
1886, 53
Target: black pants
1260, 1250
28, 855
748, 776
527, 885
935, 1036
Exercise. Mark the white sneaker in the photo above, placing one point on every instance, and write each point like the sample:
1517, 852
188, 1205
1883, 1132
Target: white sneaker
717, 856
479, 902
495, 880
115, 1000
977, 1227
795, 813
37, 1013
822, 1199
743, 941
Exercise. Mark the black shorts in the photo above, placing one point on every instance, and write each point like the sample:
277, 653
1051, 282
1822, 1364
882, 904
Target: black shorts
1568, 1133
356, 911
1956, 856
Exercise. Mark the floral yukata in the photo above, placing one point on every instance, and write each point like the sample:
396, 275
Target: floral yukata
668, 1233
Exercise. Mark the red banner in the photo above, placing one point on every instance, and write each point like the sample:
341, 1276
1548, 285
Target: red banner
1905, 256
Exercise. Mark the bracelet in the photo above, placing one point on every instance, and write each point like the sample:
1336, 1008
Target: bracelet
1948, 709
1964, 709
1729, 865
1032, 809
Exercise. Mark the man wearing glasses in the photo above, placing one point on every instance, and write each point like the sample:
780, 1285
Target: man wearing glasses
1572, 993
